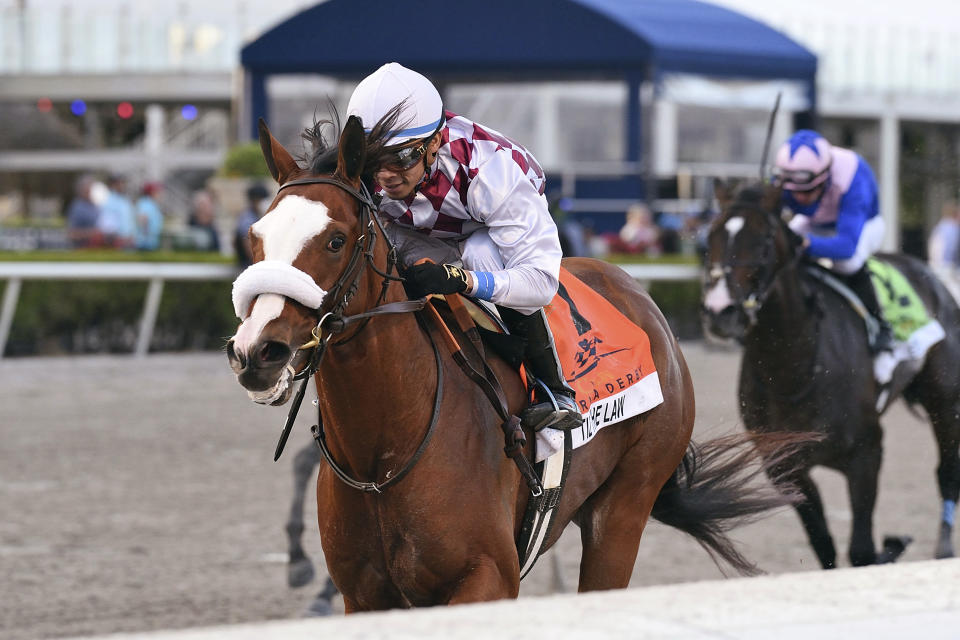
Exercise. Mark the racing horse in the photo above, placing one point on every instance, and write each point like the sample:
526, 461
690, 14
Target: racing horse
419, 505
806, 365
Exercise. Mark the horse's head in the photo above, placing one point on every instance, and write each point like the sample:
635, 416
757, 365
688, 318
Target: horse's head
310, 252
748, 245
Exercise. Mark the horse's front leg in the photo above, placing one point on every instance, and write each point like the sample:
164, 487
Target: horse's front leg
946, 427
487, 580
300, 568
862, 474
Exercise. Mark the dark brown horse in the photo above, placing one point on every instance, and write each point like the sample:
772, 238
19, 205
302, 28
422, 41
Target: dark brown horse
806, 365
398, 411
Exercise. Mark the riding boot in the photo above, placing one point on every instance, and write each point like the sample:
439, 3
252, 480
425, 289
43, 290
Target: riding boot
862, 285
540, 356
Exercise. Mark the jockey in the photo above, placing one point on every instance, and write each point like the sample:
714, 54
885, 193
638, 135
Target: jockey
472, 201
833, 195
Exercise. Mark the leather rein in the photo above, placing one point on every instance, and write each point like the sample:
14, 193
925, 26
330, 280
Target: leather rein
334, 321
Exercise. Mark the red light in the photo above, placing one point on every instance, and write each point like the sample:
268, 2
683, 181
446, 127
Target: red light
44, 105
125, 110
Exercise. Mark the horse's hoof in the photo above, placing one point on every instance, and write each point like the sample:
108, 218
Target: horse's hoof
320, 607
893, 548
944, 545
300, 573
944, 550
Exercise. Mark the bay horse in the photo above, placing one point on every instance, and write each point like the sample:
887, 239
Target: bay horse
806, 365
424, 508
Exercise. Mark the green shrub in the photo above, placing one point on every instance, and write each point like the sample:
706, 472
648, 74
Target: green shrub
244, 161
56, 317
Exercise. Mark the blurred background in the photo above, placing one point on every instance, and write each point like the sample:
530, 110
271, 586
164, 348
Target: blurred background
139, 493
632, 113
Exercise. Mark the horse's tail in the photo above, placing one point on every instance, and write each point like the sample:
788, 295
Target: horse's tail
715, 488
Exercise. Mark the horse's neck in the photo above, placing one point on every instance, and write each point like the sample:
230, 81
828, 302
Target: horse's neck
786, 334
376, 393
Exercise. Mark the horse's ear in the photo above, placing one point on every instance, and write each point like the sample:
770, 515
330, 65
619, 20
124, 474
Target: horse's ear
723, 192
352, 151
770, 199
279, 161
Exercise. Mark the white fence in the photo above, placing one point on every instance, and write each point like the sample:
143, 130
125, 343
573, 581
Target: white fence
157, 273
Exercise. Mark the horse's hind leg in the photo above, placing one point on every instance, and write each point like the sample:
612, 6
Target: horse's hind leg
300, 568
611, 523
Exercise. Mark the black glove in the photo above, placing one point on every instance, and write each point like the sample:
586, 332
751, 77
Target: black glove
429, 277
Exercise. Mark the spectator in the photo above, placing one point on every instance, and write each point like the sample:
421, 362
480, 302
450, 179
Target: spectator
257, 203
202, 216
573, 236
83, 215
639, 234
117, 220
943, 248
149, 217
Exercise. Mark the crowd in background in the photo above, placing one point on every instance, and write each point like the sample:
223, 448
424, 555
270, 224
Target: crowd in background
943, 248
644, 232
108, 214
104, 215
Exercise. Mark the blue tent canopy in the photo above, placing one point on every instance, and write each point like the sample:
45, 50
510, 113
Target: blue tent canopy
527, 37
634, 40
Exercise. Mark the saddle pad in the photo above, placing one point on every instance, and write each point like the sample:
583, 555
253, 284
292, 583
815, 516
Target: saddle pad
901, 305
606, 359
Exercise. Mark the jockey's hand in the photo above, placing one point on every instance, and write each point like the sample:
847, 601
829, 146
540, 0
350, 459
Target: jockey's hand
428, 277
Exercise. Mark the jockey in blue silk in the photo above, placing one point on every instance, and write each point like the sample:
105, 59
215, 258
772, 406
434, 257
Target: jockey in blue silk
471, 200
833, 194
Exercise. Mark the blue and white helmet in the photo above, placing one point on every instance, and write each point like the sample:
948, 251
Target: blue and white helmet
389, 86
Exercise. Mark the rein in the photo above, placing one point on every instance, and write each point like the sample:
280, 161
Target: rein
334, 321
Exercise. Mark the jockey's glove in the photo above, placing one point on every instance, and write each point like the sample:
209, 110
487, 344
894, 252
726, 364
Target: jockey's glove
428, 277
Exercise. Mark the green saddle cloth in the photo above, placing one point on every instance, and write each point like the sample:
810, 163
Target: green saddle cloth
901, 305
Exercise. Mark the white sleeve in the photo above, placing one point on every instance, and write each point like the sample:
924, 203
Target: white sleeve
519, 223
800, 224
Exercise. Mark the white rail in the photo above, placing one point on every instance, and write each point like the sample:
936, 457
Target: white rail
158, 272
154, 273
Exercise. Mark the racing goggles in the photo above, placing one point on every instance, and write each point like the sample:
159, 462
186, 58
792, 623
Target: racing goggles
404, 158
799, 179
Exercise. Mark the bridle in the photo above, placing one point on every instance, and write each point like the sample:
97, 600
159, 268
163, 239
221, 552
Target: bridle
332, 321
751, 304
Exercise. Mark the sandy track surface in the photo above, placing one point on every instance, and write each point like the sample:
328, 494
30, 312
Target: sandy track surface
141, 494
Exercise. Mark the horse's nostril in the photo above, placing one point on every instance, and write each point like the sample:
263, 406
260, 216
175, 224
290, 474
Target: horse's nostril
234, 356
272, 352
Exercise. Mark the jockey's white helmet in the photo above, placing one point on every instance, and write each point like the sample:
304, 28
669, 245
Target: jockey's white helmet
803, 161
389, 86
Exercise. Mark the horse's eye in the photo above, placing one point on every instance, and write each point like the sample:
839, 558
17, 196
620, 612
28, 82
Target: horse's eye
336, 243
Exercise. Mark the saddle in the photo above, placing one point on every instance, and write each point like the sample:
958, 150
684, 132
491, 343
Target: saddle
914, 329
606, 359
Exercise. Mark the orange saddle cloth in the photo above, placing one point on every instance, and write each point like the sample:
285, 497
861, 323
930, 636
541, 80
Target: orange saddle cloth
606, 358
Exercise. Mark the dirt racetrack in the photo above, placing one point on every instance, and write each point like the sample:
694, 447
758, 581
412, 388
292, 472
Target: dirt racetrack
140, 494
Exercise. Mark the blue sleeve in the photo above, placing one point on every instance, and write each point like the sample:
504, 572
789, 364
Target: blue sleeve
857, 205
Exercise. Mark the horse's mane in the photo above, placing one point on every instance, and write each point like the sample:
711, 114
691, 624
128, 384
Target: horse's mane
323, 152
